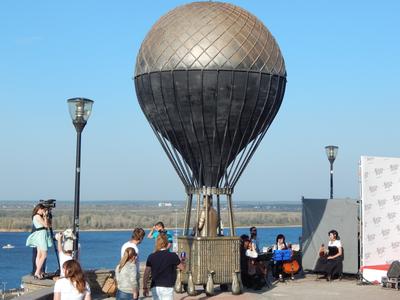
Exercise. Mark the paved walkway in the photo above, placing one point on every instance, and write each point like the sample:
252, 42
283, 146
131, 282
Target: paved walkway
304, 288
308, 288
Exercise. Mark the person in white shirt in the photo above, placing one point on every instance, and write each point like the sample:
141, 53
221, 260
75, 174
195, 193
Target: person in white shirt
64, 250
280, 244
73, 286
136, 239
330, 261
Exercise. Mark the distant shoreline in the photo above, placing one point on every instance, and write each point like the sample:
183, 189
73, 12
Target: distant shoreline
170, 229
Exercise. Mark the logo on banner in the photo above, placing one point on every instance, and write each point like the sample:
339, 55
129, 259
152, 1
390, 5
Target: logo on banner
381, 203
368, 207
376, 220
373, 188
385, 232
378, 171
398, 227
380, 250
387, 184
396, 199
394, 167
395, 245
391, 215
370, 237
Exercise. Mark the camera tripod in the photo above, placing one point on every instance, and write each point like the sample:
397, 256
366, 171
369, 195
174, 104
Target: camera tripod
49, 217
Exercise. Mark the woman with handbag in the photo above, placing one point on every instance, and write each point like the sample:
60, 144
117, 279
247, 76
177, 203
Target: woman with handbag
126, 273
73, 286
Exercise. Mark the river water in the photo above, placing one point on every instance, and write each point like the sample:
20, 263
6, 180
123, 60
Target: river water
99, 249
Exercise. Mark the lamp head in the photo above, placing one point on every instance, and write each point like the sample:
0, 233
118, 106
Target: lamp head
80, 109
331, 152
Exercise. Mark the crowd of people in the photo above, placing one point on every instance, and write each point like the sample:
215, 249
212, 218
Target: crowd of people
255, 262
159, 275
161, 265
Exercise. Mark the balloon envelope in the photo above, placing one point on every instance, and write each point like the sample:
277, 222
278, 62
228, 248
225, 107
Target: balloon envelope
210, 79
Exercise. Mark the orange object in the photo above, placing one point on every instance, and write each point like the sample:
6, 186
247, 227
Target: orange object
291, 267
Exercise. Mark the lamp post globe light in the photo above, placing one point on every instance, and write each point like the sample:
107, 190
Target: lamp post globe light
331, 152
79, 109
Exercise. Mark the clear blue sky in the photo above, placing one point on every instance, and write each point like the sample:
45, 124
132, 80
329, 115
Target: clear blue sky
343, 64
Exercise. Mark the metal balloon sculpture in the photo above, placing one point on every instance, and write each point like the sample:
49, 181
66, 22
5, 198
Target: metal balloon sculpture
210, 79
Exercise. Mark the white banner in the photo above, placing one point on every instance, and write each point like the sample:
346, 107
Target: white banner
380, 195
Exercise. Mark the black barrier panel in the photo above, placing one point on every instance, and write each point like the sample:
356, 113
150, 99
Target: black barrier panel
394, 270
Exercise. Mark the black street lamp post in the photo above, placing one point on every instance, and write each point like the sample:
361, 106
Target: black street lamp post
331, 152
79, 109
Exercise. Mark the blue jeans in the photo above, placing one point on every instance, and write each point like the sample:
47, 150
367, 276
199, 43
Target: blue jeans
162, 293
123, 296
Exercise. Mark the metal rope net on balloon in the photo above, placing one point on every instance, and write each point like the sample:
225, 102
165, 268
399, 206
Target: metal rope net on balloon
210, 135
210, 79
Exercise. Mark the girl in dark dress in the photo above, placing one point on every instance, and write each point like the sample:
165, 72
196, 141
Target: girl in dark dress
330, 261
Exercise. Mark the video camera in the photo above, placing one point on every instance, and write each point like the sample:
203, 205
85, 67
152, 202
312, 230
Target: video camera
49, 203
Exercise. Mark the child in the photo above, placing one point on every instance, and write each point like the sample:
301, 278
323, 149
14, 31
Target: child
65, 246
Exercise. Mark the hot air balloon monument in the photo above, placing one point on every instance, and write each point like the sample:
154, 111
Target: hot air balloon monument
210, 79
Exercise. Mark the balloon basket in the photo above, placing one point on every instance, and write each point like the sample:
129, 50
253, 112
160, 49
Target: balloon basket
205, 255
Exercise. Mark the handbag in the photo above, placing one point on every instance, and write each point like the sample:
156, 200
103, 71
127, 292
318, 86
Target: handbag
110, 286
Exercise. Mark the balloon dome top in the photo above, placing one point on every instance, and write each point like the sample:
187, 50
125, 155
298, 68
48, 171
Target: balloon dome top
209, 35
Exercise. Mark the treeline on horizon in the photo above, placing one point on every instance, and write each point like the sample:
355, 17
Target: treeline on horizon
105, 217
